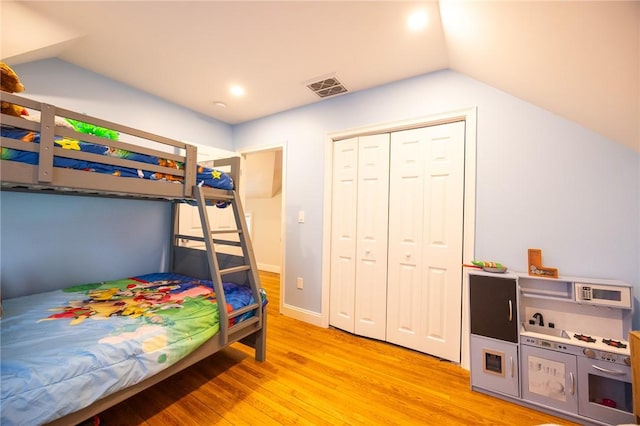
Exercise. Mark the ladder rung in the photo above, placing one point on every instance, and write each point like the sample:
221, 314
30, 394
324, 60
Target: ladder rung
215, 241
189, 237
235, 269
243, 324
243, 310
216, 196
228, 243
227, 231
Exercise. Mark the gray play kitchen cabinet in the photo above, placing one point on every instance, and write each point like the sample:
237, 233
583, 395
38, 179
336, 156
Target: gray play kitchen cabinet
494, 333
559, 345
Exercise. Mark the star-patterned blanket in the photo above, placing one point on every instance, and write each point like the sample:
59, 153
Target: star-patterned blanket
205, 176
65, 349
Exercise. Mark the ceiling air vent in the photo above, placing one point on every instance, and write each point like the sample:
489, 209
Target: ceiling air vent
327, 87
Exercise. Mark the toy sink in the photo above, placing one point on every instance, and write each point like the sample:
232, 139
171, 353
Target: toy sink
557, 332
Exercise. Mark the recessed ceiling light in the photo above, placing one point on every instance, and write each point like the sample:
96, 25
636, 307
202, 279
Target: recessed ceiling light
417, 20
237, 90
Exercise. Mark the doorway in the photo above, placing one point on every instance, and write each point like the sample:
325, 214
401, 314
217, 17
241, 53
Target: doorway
262, 192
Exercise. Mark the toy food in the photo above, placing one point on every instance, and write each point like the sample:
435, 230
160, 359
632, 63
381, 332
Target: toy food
484, 264
489, 266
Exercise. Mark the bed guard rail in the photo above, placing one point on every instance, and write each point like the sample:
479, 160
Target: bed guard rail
51, 122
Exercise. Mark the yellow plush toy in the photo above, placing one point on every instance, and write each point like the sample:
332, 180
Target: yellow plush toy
9, 82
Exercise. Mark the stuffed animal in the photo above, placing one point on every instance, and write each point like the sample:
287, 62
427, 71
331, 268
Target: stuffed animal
9, 82
90, 129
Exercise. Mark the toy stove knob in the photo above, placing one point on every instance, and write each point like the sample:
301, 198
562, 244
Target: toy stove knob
589, 353
627, 360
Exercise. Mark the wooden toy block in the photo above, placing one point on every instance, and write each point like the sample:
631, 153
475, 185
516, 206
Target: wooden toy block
535, 265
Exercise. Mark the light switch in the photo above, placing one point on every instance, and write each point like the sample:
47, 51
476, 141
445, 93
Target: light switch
301, 216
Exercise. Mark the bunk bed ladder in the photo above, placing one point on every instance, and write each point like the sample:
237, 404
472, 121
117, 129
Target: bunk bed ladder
227, 323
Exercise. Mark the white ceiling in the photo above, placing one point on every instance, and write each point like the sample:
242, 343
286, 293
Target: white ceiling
578, 59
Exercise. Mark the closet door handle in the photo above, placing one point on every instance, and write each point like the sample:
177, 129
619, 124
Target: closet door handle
573, 387
510, 311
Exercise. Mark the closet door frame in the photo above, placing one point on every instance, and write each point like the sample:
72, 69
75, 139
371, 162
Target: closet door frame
469, 116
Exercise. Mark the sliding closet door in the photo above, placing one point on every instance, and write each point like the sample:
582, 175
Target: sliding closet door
424, 298
371, 236
343, 234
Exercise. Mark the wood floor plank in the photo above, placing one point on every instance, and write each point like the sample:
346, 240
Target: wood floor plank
316, 376
280, 392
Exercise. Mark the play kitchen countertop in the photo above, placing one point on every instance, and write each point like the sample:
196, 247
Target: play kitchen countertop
568, 337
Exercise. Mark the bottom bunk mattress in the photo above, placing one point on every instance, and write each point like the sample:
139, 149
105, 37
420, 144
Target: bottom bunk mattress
63, 350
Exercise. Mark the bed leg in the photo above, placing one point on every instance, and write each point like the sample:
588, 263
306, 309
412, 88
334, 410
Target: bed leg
261, 339
258, 339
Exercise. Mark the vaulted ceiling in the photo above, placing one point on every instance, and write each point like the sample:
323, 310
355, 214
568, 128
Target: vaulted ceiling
578, 59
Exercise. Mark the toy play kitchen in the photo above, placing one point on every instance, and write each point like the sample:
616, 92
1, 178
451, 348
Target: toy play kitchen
554, 344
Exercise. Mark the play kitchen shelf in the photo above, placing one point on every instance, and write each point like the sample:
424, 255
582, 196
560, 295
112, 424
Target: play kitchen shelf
555, 344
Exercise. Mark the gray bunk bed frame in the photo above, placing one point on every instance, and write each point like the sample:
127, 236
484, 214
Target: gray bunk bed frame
207, 264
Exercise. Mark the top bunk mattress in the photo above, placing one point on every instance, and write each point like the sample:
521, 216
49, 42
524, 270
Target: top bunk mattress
65, 349
205, 176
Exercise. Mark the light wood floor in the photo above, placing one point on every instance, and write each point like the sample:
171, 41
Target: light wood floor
316, 376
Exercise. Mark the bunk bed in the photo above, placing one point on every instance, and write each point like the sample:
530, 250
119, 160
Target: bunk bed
137, 331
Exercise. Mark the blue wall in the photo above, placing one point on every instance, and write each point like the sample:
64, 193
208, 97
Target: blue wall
53, 241
65, 85
49, 241
542, 181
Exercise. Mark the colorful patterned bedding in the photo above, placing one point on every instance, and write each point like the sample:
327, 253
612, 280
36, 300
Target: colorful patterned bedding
65, 349
205, 176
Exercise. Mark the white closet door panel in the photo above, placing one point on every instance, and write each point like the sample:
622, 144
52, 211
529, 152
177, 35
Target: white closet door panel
406, 196
403, 309
426, 177
343, 234
435, 295
367, 307
404, 278
371, 247
442, 254
342, 293
444, 187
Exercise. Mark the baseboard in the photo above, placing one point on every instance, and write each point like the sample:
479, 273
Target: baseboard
269, 268
301, 314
